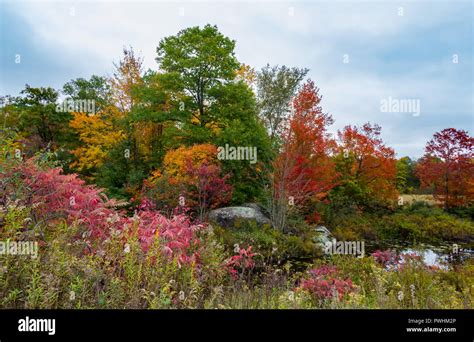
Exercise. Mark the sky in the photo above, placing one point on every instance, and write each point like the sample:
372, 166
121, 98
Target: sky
361, 54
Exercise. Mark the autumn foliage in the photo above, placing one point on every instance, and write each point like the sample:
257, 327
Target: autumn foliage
153, 146
366, 163
54, 197
98, 135
448, 166
325, 283
191, 177
176, 162
304, 170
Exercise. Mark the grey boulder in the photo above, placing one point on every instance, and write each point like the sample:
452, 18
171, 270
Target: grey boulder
227, 217
323, 236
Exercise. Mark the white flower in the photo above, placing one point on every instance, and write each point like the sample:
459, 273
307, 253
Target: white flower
181, 295
400, 295
291, 296
127, 248
72, 295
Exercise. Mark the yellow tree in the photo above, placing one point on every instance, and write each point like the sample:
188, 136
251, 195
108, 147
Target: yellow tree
175, 161
97, 135
127, 76
247, 74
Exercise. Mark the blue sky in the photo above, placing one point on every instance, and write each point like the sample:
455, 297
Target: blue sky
407, 56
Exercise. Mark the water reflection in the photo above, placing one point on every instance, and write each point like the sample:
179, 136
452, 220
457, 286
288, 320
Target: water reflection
440, 256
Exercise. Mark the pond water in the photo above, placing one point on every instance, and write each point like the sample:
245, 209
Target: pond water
440, 255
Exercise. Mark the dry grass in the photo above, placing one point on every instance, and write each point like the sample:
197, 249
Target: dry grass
409, 199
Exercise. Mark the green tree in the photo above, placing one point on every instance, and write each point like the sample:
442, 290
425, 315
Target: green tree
239, 125
276, 87
210, 102
35, 116
195, 61
407, 181
97, 89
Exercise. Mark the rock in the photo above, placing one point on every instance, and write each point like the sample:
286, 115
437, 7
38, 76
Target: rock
227, 217
258, 207
323, 235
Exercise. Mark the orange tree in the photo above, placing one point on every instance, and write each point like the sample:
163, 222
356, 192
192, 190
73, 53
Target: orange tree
367, 168
190, 177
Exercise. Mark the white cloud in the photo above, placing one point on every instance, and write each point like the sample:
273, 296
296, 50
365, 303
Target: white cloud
315, 36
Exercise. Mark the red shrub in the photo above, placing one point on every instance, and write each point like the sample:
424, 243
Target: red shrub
240, 262
325, 284
177, 234
54, 196
386, 258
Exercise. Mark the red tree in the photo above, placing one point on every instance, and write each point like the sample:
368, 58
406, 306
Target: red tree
303, 171
448, 166
207, 188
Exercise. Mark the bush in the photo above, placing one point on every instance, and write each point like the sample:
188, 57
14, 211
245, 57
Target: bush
417, 224
271, 245
120, 275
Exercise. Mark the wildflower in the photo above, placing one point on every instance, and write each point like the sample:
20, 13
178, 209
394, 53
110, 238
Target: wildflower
72, 295
181, 295
126, 250
386, 258
291, 296
242, 261
324, 284
400, 296
324, 271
